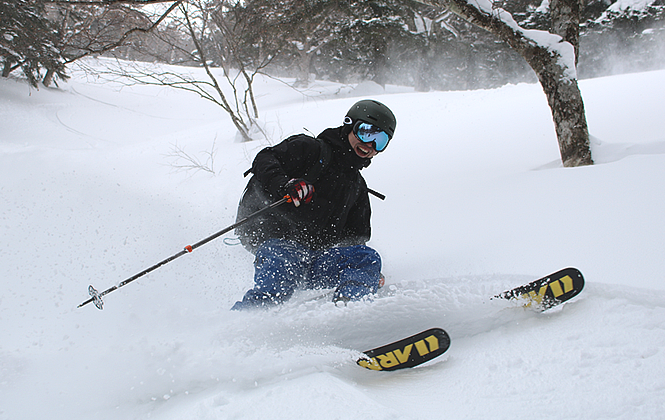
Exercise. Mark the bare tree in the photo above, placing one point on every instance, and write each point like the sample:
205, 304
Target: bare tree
552, 55
228, 81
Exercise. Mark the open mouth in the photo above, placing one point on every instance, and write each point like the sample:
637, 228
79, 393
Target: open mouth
363, 151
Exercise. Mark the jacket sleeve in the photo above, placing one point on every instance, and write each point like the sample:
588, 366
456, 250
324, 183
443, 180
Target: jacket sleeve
275, 166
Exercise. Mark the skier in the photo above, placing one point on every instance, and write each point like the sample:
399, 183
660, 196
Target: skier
319, 241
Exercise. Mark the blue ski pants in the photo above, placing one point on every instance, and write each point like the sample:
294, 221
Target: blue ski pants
282, 265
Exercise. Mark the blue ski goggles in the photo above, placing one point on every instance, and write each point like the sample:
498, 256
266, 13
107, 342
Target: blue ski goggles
368, 133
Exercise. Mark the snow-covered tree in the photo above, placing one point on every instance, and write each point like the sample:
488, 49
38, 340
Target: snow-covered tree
552, 55
296, 28
331, 38
28, 41
41, 36
622, 37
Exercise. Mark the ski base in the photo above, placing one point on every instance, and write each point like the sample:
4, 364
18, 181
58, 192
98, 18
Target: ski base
408, 352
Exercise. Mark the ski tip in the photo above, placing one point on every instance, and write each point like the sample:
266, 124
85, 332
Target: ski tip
548, 291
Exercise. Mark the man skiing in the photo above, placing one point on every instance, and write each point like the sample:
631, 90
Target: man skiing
319, 241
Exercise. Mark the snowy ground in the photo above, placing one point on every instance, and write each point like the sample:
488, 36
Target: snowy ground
477, 202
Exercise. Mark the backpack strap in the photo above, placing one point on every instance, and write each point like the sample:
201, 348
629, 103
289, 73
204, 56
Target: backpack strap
376, 194
314, 173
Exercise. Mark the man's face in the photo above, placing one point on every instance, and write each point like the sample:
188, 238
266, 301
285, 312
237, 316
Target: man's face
364, 150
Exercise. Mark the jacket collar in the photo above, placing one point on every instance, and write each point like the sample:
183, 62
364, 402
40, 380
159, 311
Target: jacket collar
342, 149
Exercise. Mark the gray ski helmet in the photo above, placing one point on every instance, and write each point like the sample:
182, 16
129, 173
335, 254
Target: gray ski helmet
374, 112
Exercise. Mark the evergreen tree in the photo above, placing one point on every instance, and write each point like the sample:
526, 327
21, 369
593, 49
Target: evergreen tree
28, 41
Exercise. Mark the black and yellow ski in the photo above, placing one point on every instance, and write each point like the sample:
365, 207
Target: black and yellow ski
549, 291
408, 352
540, 295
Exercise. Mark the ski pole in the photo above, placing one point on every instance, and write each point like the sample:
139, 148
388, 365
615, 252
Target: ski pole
96, 296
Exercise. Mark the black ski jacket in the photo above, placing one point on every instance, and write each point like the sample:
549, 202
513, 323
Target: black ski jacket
339, 213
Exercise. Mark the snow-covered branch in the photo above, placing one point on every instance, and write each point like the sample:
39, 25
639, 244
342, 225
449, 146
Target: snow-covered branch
552, 55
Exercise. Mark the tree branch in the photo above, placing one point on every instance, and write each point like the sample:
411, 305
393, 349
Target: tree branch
106, 2
126, 35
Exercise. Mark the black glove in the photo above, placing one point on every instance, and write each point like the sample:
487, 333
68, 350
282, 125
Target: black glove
300, 191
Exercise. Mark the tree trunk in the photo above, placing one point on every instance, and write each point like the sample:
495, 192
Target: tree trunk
565, 101
553, 64
565, 17
304, 67
48, 78
7, 68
